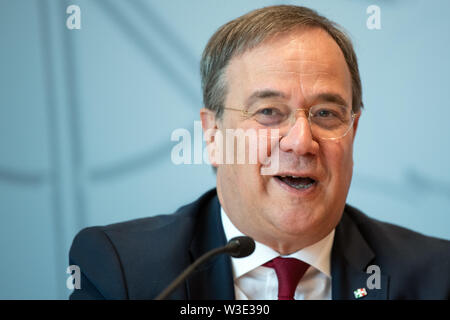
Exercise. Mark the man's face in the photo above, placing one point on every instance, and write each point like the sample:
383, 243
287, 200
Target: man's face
303, 68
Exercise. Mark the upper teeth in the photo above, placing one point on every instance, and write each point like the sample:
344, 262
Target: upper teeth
291, 176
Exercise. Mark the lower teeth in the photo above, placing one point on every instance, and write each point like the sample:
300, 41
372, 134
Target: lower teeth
298, 186
305, 186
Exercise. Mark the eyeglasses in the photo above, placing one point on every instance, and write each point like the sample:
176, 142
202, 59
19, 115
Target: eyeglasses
328, 121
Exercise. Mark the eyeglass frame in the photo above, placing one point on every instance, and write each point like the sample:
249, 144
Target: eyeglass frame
353, 116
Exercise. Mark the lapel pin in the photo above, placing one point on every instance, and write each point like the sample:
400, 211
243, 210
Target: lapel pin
359, 293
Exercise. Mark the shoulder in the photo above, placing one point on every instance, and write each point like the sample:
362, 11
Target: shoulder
416, 264
162, 227
387, 237
123, 252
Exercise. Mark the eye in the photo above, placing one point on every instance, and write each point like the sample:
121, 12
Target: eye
328, 112
267, 111
324, 113
330, 116
269, 116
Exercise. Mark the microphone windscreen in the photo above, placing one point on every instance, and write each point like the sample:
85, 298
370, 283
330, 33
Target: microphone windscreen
241, 247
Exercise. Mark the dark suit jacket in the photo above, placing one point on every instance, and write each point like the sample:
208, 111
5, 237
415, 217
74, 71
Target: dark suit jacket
139, 258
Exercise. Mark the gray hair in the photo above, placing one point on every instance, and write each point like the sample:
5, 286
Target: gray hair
250, 30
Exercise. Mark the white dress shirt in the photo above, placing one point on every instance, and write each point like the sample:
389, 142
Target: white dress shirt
252, 281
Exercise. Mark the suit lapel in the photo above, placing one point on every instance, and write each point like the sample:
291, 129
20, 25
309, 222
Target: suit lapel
350, 257
213, 280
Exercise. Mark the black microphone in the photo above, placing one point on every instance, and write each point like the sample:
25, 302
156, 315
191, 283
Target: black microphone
238, 247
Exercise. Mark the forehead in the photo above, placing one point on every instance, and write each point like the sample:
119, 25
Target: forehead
301, 64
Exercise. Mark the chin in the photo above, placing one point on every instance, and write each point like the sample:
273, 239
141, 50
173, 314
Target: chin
298, 220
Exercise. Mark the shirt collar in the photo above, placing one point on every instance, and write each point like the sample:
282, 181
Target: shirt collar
316, 255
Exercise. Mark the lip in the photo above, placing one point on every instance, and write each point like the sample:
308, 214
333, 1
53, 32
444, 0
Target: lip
298, 174
297, 192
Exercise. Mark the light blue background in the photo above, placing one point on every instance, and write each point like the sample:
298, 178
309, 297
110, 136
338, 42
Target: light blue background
86, 117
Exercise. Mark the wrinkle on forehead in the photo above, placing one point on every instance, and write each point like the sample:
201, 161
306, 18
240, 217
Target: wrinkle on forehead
306, 61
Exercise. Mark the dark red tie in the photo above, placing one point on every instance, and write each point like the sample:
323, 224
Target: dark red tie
289, 272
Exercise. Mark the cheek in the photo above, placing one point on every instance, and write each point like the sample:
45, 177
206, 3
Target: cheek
339, 164
245, 180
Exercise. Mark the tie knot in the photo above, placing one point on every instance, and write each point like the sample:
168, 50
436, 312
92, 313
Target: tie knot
289, 272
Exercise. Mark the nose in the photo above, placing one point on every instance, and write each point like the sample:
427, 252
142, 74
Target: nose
299, 139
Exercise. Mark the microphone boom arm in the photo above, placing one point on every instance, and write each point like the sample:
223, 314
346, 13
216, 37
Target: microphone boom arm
175, 283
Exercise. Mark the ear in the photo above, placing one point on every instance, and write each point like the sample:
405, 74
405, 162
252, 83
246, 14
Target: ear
209, 126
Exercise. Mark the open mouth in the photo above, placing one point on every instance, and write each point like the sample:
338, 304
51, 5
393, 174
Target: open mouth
298, 183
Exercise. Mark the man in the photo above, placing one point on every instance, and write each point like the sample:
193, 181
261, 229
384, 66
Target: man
291, 76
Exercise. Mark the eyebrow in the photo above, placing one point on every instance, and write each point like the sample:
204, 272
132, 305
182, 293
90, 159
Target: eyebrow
263, 94
331, 97
270, 93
